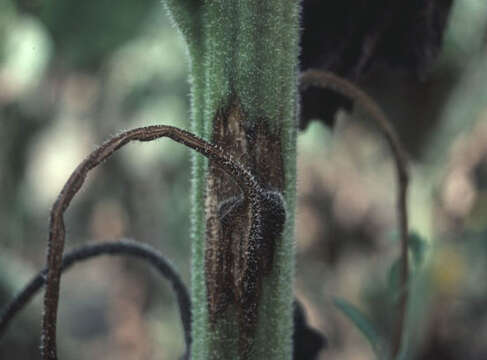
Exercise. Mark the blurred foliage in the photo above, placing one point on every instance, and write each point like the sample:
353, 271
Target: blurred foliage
360, 321
74, 73
85, 32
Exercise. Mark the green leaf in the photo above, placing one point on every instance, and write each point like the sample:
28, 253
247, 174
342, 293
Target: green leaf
360, 321
417, 246
393, 279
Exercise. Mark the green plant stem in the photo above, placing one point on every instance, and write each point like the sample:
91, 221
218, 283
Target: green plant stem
244, 73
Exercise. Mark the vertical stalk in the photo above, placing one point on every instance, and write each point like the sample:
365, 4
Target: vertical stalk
244, 98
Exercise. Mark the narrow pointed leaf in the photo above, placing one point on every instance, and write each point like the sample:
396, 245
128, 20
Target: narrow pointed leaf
360, 321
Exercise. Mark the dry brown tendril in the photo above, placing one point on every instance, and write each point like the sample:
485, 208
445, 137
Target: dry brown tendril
251, 189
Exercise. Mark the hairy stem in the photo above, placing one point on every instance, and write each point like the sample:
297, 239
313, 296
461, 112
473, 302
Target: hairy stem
244, 87
346, 88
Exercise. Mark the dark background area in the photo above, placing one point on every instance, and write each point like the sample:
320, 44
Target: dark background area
74, 73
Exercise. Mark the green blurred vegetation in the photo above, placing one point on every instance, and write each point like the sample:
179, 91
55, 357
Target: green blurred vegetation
74, 73
71, 75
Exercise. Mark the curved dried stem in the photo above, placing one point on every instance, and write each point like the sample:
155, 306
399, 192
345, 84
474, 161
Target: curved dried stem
328, 80
124, 247
249, 186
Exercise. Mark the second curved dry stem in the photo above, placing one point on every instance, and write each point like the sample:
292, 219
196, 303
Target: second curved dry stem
328, 80
123, 247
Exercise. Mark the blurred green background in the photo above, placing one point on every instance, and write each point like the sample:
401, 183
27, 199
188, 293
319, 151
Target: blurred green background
74, 73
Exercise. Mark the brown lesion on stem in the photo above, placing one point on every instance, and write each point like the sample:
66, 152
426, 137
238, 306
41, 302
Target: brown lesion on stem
239, 242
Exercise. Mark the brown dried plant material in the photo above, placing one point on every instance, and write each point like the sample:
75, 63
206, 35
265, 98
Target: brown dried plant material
128, 248
351, 36
253, 196
326, 80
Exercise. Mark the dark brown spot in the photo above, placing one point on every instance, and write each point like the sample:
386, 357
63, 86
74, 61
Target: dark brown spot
238, 253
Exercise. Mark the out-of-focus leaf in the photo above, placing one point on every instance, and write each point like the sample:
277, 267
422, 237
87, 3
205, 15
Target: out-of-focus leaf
360, 321
85, 32
465, 108
393, 279
417, 246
